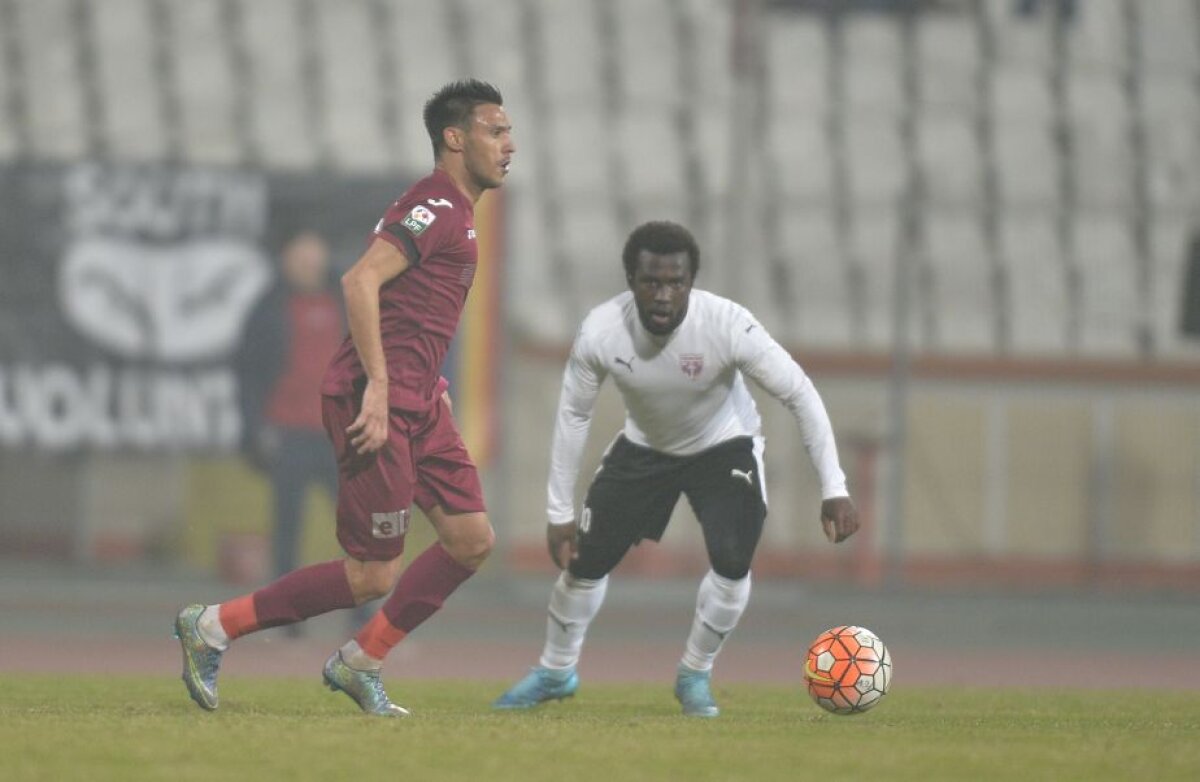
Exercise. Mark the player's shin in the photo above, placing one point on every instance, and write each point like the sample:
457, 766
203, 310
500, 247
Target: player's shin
419, 594
573, 604
294, 597
719, 605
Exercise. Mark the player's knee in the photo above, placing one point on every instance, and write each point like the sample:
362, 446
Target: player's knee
589, 570
471, 548
372, 580
733, 565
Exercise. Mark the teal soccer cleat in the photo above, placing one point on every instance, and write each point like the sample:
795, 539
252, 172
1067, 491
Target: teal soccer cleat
694, 693
538, 686
200, 661
363, 687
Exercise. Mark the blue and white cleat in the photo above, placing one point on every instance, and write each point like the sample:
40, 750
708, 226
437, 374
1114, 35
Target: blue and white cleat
538, 686
694, 692
363, 687
200, 661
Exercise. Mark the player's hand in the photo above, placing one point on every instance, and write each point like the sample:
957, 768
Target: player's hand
839, 518
369, 431
562, 540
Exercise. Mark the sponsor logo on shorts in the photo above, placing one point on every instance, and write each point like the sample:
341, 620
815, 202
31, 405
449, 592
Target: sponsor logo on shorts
418, 220
389, 525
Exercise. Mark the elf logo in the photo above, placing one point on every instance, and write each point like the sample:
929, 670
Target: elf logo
386, 526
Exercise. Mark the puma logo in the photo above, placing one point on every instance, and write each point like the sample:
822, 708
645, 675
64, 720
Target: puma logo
720, 635
747, 476
627, 364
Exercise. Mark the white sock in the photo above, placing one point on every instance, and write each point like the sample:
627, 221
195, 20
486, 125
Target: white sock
573, 604
354, 656
209, 625
719, 604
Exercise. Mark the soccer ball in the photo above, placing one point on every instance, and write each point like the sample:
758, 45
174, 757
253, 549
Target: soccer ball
848, 670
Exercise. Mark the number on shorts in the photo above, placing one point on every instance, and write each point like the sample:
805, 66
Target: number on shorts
585, 520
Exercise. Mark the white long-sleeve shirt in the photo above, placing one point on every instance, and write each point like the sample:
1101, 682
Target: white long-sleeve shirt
683, 392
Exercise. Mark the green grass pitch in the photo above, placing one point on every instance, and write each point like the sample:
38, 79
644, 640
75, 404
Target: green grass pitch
105, 728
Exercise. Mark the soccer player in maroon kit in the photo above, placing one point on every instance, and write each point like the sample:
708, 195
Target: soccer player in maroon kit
386, 411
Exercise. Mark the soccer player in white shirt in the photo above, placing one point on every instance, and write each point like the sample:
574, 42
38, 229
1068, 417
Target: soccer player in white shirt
679, 356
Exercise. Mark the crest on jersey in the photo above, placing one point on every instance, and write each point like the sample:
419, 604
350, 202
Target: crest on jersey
418, 220
692, 364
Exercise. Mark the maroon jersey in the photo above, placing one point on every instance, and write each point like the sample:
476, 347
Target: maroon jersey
433, 224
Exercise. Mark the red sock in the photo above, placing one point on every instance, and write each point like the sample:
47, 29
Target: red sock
309, 591
421, 591
238, 617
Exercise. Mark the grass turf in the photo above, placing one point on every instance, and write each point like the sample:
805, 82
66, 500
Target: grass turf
107, 728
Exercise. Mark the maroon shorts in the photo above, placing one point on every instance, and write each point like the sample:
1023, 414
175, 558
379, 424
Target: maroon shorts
423, 461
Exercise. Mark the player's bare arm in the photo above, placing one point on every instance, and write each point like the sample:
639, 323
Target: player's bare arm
360, 286
562, 540
839, 518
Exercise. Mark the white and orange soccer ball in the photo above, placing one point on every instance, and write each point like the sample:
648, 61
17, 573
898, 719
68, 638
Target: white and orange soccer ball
848, 670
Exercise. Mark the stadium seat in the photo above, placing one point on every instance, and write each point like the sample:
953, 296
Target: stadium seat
1026, 164
1096, 39
205, 81
647, 50
819, 315
1112, 307
1171, 238
797, 60
573, 54
351, 85
652, 154
1021, 95
1103, 165
875, 159
962, 294
1168, 36
53, 92
949, 59
425, 62
10, 138
1173, 152
874, 249
125, 74
873, 65
1040, 305
799, 147
950, 158
281, 123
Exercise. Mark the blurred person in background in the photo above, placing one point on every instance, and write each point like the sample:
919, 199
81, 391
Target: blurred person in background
679, 357
385, 408
289, 338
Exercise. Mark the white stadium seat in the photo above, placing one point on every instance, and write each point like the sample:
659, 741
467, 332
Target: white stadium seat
963, 299
126, 75
53, 90
1038, 284
352, 85
205, 80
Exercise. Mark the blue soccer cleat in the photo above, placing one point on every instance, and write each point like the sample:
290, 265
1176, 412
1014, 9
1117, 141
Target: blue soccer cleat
538, 686
694, 692
200, 661
363, 687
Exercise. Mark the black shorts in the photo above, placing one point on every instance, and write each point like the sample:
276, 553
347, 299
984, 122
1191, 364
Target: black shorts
635, 491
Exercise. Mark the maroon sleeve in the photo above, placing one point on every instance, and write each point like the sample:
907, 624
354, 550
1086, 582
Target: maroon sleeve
417, 228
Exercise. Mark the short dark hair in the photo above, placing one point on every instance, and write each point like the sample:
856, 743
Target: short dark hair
661, 237
452, 106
